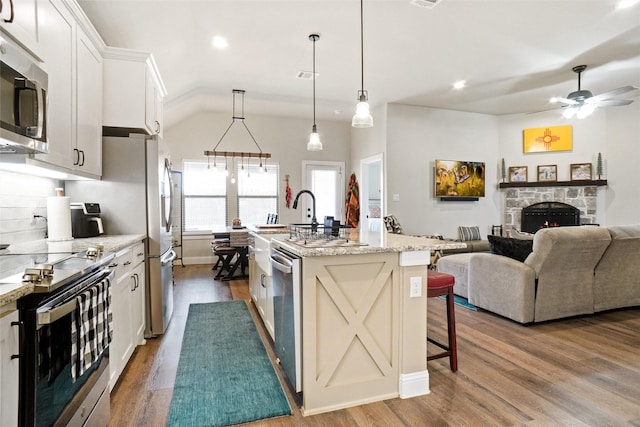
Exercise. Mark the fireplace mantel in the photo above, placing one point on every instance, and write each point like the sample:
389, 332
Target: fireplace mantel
580, 183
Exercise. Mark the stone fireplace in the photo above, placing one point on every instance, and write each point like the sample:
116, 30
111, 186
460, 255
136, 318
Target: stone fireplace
548, 214
583, 198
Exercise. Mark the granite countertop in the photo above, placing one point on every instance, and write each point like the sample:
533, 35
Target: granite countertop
11, 292
390, 243
268, 229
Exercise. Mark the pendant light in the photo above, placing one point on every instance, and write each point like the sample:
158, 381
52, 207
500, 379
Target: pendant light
362, 118
314, 138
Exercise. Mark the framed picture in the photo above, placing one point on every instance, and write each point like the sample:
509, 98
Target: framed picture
547, 173
517, 174
580, 171
550, 138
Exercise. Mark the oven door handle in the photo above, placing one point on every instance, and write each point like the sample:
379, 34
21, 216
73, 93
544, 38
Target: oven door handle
55, 310
50, 316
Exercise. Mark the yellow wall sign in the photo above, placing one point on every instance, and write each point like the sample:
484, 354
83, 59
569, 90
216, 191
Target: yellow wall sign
552, 138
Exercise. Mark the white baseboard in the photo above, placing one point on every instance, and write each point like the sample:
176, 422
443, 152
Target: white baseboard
414, 384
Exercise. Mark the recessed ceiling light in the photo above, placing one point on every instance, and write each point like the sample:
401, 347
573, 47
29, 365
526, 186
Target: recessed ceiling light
219, 42
459, 84
623, 4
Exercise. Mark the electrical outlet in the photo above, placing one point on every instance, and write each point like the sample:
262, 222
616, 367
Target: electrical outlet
415, 287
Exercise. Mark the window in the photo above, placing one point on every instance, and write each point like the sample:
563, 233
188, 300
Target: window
205, 196
326, 182
257, 193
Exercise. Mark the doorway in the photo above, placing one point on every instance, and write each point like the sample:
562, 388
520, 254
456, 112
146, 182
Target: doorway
326, 182
372, 198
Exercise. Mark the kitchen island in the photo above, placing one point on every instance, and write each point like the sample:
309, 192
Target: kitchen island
363, 320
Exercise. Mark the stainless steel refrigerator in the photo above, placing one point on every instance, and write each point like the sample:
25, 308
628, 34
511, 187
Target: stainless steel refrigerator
135, 197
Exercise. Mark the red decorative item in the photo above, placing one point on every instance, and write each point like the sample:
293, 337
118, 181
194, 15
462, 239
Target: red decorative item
287, 192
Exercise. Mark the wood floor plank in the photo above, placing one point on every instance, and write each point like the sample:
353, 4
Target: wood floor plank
580, 372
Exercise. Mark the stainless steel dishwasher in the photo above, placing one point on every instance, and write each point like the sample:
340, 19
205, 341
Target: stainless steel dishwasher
287, 278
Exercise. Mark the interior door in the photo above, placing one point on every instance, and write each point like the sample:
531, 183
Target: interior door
371, 198
326, 181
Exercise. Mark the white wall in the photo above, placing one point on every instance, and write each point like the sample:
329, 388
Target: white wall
285, 138
416, 137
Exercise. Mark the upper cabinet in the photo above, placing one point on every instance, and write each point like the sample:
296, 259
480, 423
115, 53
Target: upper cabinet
73, 62
133, 92
19, 19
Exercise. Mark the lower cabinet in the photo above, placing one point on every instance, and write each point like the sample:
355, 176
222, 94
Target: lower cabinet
128, 308
9, 341
262, 294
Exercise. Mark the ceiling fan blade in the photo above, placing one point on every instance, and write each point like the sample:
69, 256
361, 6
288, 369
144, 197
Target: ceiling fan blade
612, 93
567, 101
614, 102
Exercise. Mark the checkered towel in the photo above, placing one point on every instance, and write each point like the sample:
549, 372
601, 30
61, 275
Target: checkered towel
91, 327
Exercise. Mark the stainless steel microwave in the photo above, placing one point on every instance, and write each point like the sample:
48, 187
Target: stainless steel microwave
23, 102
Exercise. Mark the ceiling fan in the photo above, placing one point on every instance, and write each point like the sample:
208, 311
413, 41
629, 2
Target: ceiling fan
581, 103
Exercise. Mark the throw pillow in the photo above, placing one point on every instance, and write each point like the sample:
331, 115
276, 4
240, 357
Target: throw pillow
520, 235
469, 233
517, 249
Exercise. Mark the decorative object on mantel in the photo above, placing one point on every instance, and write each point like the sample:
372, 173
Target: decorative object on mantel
362, 118
550, 138
314, 138
580, 171
503, 170
518, 174
234, 154
599, 166
547, 173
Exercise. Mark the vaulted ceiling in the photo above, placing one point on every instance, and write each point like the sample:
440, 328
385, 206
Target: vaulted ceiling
514, 54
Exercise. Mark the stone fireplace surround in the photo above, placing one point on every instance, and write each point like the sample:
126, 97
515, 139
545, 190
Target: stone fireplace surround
582, 197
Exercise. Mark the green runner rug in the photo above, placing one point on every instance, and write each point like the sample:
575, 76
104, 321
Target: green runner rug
224, 374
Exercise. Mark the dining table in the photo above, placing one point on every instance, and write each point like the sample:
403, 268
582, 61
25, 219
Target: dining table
234, 261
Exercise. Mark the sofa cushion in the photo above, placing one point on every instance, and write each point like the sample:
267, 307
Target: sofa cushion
520, 235
513, 248
469, 233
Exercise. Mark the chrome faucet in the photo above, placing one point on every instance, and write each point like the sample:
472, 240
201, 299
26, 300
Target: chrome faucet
314, 220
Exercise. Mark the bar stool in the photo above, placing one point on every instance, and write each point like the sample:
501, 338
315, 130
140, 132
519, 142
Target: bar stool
439, 284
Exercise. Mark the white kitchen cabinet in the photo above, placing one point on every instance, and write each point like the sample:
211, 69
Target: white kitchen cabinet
128, 308
133, 92
23, 23
260, 284
58, 34
88, 147
74, 65
9, 369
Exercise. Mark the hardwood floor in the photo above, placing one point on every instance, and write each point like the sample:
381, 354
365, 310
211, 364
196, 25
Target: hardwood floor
580, 372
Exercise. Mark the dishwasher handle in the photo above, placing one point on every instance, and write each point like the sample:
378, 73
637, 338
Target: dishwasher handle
281, 263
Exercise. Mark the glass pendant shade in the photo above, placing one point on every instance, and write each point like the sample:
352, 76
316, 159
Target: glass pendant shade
362, 118
314, 140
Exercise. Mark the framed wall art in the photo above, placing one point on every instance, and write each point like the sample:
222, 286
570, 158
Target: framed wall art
580, 171
547, 173
551, 138
517, 174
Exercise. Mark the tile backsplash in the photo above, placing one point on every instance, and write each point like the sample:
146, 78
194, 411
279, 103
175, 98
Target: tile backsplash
22, 196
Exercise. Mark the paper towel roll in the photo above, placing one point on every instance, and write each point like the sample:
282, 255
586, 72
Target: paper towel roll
59, 218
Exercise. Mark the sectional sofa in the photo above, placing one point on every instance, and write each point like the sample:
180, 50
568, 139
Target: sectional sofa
570, 271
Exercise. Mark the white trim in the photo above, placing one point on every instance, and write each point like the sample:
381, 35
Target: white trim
414, 384
340, 192
408, 259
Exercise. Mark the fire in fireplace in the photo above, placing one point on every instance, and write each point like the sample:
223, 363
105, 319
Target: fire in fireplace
549, 214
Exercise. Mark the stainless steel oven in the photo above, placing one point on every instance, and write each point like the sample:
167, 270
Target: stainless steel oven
64, 355
23, 102
286, 280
